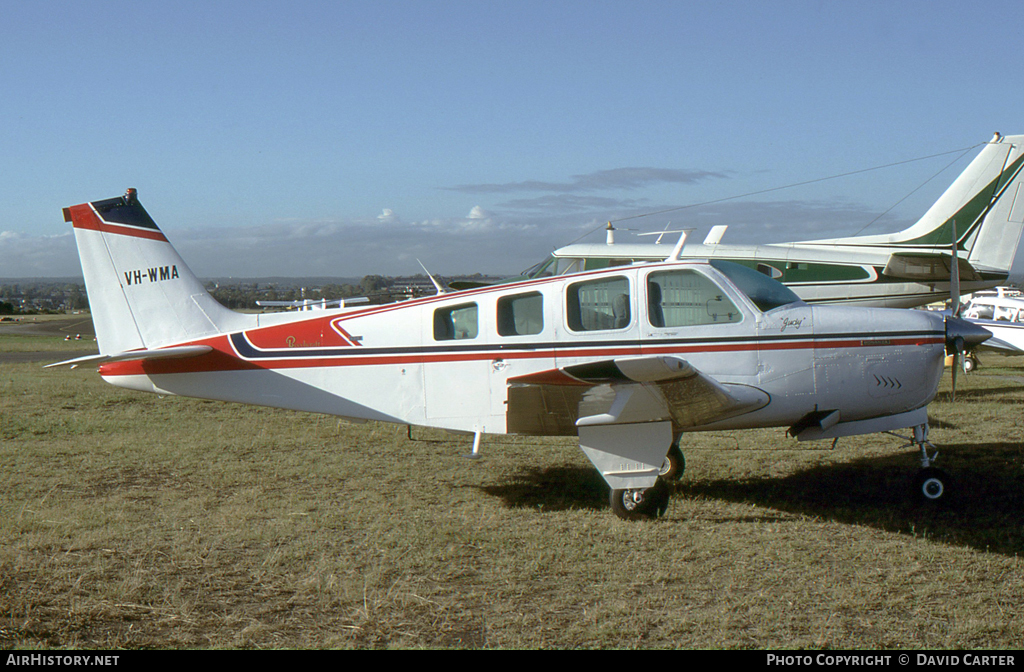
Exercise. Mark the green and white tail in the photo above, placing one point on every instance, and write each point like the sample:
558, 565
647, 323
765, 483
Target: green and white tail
985, 204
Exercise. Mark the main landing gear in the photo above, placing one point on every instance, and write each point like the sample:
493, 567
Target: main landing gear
652, 502
641, 503
931, 484
674, 465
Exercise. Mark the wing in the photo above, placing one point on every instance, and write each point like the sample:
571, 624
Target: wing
624, 390
626, 411
1007, 337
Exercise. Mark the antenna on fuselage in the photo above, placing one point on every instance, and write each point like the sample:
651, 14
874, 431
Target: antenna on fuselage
678, 249
437, 285
661, 234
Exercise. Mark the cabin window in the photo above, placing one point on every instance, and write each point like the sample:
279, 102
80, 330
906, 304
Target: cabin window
521, 315
686, 298
597, 263
455, 323
981, 311
599, 304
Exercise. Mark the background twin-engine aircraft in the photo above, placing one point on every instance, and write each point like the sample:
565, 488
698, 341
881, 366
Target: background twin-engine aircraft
1001, 313
628, 357
897, 270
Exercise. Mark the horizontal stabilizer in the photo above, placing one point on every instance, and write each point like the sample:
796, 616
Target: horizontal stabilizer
137, 355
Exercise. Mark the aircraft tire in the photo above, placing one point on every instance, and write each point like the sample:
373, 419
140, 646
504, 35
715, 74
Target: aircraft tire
641, 503
674, 466
970, 364
932, 486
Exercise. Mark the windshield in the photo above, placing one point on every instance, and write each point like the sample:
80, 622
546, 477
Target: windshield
766, 293
561, 266
539, 270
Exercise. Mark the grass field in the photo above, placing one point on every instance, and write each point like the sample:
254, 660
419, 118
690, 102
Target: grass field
133, 521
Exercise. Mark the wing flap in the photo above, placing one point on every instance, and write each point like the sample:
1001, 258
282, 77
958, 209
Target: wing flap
923, 266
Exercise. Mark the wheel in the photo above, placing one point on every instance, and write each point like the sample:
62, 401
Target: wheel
931, 485
970, 364
641, 503
674, 465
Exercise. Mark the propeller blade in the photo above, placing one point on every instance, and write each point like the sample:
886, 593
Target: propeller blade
954, 281
955, 367
961, 336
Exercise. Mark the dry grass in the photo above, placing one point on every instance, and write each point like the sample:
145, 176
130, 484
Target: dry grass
131, 521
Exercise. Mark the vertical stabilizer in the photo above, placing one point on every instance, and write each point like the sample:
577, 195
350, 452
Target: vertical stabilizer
980, 201
141, 293
995, 246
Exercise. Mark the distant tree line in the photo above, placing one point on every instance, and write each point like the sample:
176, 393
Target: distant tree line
41, 295
244, 295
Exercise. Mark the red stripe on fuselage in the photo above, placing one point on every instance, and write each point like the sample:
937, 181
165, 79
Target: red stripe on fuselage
223, 357
312, 333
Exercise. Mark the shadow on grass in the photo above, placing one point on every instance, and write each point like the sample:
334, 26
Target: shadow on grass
553, 489
983, 511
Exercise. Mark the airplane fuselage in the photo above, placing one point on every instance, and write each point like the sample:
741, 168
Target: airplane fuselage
487, 360
818, 274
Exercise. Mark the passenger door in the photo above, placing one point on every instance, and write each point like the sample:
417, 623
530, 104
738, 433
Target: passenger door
693, 315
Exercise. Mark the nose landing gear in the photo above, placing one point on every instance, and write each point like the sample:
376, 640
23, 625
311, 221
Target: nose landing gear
931, 484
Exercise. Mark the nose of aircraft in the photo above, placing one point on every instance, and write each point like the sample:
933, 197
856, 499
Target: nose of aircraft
962, 335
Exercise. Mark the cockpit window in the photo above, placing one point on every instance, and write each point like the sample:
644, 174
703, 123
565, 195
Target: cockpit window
767, 294
560, 266
541, 269
686, 298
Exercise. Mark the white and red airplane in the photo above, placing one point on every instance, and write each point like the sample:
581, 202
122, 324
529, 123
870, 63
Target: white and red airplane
629, 358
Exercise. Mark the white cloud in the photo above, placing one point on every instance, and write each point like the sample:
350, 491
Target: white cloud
24, 256
491, 242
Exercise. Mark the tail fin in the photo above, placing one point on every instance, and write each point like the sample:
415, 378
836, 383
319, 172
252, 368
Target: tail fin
141, 293
984, 203
995, 245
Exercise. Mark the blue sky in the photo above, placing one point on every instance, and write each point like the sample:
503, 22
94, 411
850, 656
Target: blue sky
345, 138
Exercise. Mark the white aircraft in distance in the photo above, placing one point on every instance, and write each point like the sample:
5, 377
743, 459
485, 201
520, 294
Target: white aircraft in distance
628, 358
896, 270
1001, 313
